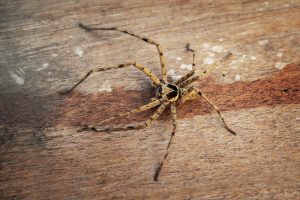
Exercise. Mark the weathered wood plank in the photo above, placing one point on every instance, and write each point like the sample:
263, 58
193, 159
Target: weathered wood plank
42, 51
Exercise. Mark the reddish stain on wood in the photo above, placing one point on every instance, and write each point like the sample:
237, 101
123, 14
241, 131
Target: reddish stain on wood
77, 109
282, 88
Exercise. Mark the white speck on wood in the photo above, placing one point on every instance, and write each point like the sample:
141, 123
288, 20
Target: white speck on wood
279, 65
174, 76
260, 9
205, 45
211, 54
208, 60
177, 77
237, 77
217, 48
17, 78
44, 66
232, 64
78, 51
221, 39
106, 87
242, 59
171, 72
263, 42
253, 57
178, 59
54, 55
186, 66
189, 67
279, 55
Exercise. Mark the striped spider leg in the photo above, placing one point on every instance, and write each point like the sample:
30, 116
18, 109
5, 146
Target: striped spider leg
148, 40
189, 94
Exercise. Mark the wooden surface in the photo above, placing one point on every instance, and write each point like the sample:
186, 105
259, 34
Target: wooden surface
43, 51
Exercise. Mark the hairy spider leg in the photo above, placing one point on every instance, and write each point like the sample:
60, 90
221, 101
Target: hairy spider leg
188, 48
145, 124
145, 39
185, 77
192, 72
198, 76
192, 91
217, 110
154, 102
142, 68
161, 163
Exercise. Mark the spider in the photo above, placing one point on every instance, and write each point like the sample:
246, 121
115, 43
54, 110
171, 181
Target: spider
167, 93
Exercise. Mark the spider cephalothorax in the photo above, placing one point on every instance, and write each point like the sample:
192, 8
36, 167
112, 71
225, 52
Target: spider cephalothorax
168, 91
167, 94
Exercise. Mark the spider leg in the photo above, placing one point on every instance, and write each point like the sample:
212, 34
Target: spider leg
198, 76
149, 41
152, 104
192, 91
188, 95
142, 125
158, 170
188, 48
192, 72
185, 77
142, 68
218, 111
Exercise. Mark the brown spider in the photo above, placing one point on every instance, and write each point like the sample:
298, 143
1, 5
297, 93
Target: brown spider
167, 94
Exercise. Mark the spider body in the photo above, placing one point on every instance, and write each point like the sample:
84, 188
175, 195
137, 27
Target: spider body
167, 94
168, 91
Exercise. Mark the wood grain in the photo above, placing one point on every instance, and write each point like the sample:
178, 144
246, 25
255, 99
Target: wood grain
43, 51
